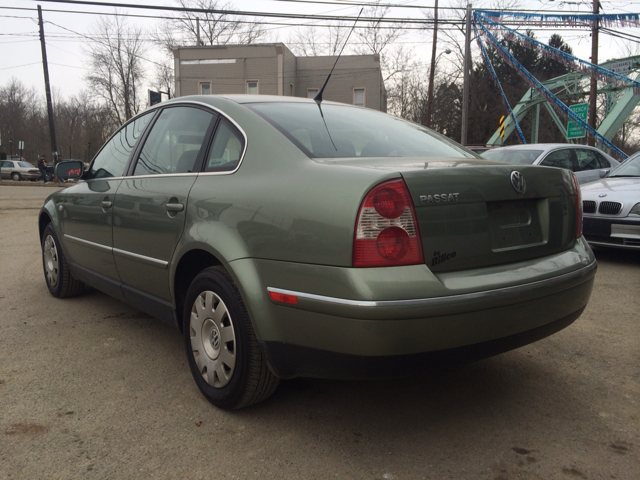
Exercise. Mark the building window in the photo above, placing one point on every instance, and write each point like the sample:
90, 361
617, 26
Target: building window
252, 87
312, 92
205, 88
358, 97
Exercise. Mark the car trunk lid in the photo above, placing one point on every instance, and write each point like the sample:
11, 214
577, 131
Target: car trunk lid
470, 214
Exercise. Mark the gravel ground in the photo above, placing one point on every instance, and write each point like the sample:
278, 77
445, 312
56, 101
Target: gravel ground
92, 388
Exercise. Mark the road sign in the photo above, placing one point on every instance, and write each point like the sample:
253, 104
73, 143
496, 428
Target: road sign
502, 126
623, 66
574, 129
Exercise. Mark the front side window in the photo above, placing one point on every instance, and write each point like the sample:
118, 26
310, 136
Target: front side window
587, 160
226, 150
358, 97
252, 87
347, 132
205, 88
604, 163
559, 159
113, 157
174, 141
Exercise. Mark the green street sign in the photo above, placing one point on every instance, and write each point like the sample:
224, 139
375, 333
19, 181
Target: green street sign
574, 130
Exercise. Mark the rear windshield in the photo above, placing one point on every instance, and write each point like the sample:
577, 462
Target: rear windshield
512, 156
354, 132
26, 165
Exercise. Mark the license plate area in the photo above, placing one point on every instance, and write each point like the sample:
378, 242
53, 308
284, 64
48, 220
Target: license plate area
516, 224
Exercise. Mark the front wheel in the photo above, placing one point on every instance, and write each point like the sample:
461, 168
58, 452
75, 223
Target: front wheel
222, 350
59, 280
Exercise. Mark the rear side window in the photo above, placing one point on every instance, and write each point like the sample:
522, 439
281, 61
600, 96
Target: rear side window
559, 159
174, 141
113, 157
227, 148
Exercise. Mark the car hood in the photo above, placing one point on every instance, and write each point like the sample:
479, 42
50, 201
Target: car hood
613, 185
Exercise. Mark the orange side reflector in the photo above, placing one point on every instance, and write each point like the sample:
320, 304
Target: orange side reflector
283, 298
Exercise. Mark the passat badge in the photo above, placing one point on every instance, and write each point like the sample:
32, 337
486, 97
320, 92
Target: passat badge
517, 180
439, 198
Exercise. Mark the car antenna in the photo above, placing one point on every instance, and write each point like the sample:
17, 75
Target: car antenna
318, 97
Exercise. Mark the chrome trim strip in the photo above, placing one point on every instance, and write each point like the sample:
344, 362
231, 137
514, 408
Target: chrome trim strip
438, 300
88, 243
153, 261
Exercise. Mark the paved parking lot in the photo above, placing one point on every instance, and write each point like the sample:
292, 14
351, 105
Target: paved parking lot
92, 388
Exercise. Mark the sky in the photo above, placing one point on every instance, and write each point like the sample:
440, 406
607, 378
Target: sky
21, 57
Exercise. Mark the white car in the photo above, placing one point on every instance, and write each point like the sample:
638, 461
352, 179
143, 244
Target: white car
612, 207
588, 163
18, 170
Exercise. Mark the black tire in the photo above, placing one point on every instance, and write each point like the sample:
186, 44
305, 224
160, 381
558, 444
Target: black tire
16, 177
59, 280
224, 356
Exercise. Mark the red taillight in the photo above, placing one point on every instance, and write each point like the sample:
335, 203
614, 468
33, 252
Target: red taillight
33, 171
386, 230
578, 207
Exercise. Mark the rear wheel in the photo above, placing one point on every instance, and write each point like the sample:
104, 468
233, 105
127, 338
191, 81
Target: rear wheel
222, 350
59, 280
16, 177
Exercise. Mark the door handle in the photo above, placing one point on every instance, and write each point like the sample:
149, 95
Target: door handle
174, 207
106, 204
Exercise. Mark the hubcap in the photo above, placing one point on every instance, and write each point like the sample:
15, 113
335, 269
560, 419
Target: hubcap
51, 266
213, 341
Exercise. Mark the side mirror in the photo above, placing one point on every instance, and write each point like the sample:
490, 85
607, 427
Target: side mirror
604, 173
71, 169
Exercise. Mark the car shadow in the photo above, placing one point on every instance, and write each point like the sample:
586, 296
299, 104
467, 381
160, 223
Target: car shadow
617, 255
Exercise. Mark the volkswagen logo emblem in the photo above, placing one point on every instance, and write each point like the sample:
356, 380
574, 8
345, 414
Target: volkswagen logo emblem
517, 180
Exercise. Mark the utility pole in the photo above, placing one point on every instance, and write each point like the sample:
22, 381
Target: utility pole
465, 87
432, 71
593, 92
47, 87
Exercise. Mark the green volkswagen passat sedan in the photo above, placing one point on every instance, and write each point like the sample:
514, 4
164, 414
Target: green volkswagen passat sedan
285, 238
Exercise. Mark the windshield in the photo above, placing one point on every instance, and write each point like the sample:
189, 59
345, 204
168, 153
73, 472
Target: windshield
26, 165
512, 156
354, 132
630, 168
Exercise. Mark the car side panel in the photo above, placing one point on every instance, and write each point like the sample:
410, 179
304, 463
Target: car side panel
146, 230
86, 220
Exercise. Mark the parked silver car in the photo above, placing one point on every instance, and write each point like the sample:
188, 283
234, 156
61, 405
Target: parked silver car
18, 170
588, 163
612, 207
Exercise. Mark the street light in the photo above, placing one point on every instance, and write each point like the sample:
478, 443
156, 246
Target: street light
430, 89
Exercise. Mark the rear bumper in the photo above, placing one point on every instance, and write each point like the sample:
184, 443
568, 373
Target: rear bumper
358, 320
290, 361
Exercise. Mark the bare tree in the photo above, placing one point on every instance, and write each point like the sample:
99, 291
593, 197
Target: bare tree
164, 79
375, 35
319, 41
117, 72
211, 28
